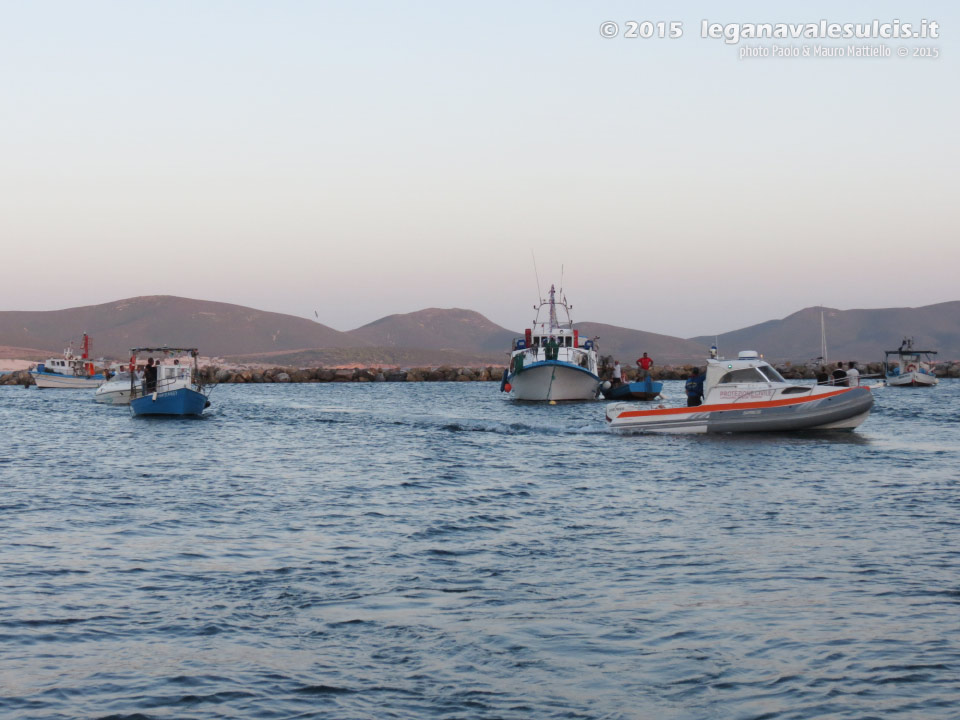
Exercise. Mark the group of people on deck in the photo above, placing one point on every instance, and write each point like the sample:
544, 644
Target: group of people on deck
847, 378
644, 364
693, 386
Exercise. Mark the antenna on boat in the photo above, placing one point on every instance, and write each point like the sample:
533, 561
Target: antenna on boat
823, 338
561, 280
537, 275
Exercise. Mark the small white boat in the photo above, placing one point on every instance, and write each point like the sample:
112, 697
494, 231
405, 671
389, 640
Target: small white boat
749, 395
908, 367
70, 371
551, 361
115, 391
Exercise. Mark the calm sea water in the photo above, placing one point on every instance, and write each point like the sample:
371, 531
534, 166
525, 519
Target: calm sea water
439, 551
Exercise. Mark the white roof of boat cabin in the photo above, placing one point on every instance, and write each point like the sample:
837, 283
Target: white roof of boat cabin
717, 368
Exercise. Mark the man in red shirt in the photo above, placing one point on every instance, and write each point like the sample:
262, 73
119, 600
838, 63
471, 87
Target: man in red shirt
645, 364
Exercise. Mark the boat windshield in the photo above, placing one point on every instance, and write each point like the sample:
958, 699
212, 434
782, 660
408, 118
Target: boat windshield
772, 374
746, 375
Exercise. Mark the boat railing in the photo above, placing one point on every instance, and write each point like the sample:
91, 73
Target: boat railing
181, 379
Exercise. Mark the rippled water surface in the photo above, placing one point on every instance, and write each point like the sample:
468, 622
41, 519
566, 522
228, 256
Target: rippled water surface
437, 551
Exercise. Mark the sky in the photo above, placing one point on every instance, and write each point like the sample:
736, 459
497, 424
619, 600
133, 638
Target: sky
358, 159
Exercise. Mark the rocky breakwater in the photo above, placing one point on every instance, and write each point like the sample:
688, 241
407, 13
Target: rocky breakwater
17, 377
215, 374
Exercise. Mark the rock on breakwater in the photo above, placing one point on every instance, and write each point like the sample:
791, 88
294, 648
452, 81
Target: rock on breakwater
17, 377
215, 374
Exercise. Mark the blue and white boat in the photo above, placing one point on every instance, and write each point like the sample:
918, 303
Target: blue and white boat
177, 390
551, 361
70, 372
909, 367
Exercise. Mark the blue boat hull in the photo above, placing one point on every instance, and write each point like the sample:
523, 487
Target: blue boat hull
643, 390
173, 402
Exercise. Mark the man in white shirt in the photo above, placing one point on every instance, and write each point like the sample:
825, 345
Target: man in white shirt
853, 375
617, 374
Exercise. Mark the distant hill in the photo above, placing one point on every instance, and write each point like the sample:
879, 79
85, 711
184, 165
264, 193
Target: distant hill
452, 329
627, 345
445, 336
20, 353
216, 328
860, 335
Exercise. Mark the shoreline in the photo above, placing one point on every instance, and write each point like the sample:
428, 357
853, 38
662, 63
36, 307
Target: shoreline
232, 374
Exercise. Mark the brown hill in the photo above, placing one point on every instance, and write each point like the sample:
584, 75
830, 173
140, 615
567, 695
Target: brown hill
627, 345
860, 335
7, 353
453, 329
216, 328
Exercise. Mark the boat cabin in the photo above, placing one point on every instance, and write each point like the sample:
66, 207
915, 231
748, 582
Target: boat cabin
748, 369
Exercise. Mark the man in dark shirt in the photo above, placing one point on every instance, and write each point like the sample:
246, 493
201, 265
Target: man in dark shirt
694, 388
553, 349
150, 376
839, 375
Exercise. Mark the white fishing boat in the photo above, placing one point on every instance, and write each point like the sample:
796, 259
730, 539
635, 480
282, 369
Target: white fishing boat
69, 371
551, 361
909, 367
749, 395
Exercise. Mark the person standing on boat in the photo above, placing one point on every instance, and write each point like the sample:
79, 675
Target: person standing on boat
150, 376
839, 375
553, 349
617, 373
645, 364
853, 375
822, 377
694, 387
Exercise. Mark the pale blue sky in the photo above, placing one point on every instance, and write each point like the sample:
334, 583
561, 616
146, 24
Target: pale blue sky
366, 158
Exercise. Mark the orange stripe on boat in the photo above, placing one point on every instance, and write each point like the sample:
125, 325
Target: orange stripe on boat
735, 406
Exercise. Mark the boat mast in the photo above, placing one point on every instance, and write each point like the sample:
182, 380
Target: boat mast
88, 367
553, 310
823, 338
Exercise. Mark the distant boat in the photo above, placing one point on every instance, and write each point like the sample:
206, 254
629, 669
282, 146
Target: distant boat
178, 390
69, 372
909, 367
551, 361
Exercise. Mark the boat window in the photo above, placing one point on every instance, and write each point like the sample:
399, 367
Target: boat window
569, 342
771, 373
747, 375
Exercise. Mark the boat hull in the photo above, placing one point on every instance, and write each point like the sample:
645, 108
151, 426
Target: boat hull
644, 390
554, 380
68, 382
838, 410
181, 401
112, 396
912, 379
